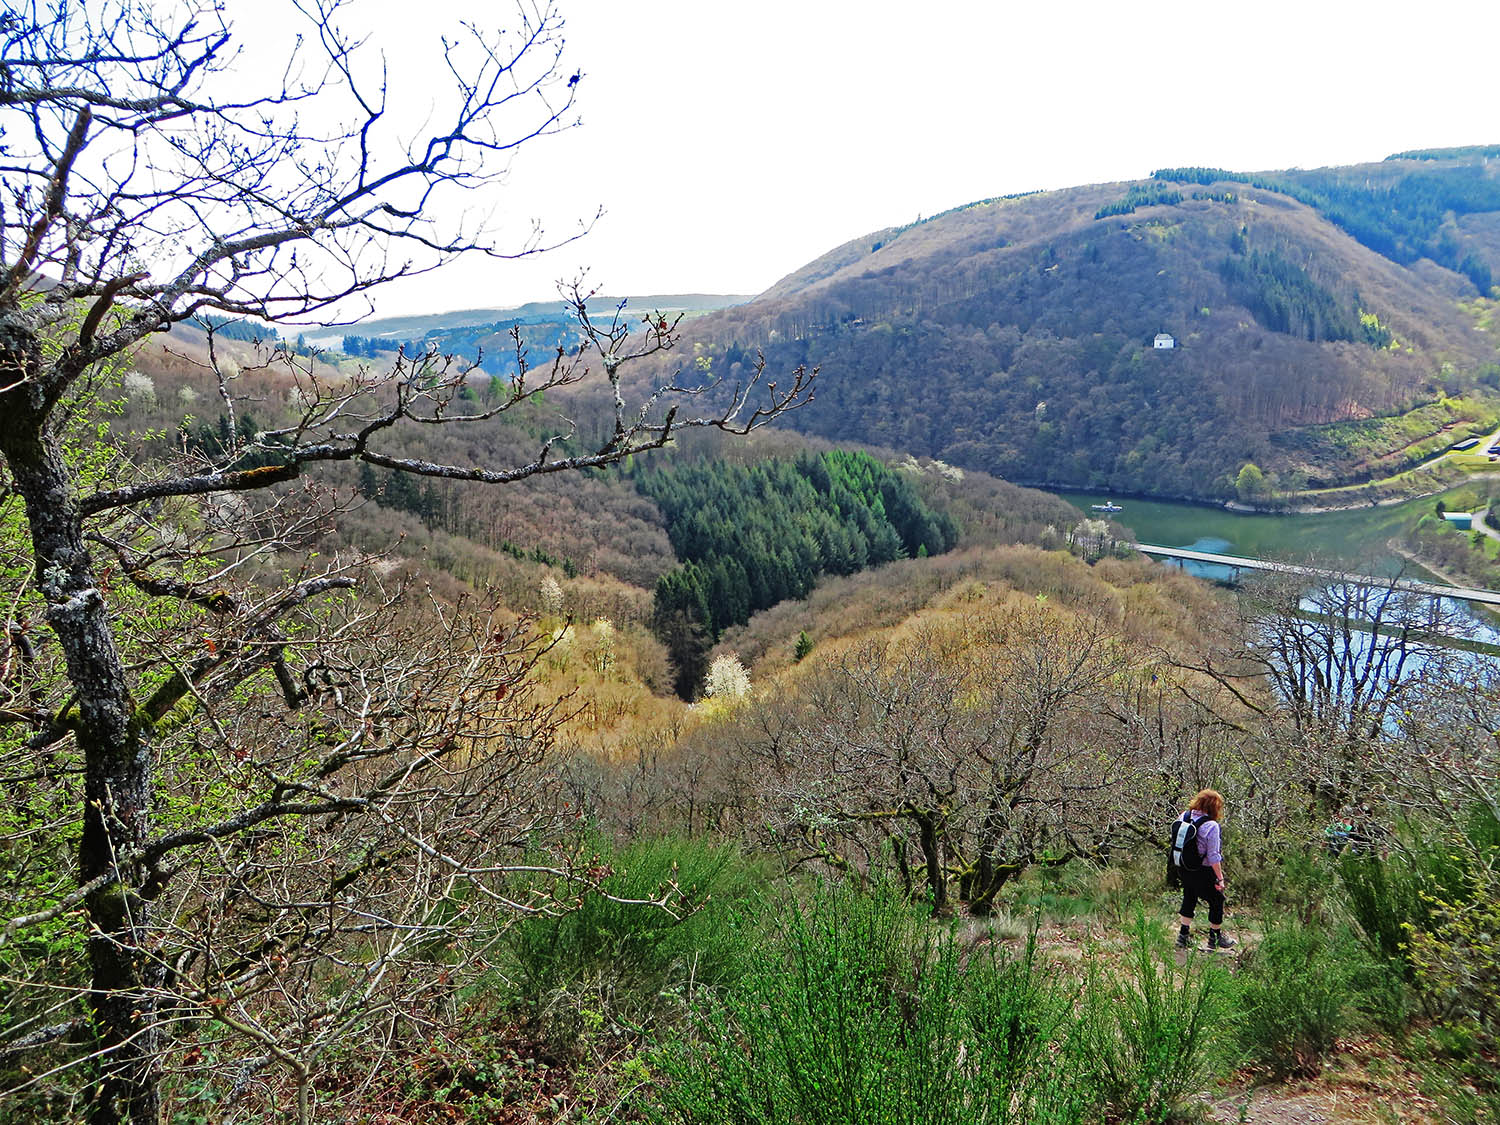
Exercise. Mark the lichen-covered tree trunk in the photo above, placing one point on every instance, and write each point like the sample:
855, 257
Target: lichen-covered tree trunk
988, 878
929, 835
116, 755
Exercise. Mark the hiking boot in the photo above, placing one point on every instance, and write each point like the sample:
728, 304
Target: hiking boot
1217, 940
1184, 941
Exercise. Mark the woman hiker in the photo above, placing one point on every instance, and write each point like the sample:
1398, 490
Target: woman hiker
1204, 880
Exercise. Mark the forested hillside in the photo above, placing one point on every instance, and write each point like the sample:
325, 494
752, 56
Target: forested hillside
751, 536
673, 550
1015, 335
940, 778
346, 775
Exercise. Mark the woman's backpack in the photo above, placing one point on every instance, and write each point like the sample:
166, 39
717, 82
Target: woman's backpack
1182, 849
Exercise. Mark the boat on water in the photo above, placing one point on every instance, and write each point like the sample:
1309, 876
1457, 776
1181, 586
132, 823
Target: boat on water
1108, 507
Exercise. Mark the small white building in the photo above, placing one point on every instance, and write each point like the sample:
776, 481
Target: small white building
1163, 340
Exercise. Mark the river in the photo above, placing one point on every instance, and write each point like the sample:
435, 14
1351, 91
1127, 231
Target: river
1357, 538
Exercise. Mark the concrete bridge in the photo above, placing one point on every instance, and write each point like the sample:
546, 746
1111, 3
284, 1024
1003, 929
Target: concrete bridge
1239, 562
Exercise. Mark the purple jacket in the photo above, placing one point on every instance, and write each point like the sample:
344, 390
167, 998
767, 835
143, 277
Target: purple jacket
1208, 838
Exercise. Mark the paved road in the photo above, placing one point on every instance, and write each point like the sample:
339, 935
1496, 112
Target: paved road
1482, 527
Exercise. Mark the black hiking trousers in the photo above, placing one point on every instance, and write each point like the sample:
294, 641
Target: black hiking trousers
1197, 885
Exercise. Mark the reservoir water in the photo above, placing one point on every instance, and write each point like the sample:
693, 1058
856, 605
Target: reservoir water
1357, 539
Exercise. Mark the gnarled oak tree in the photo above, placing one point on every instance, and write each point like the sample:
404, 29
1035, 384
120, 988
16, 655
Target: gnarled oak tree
281, 782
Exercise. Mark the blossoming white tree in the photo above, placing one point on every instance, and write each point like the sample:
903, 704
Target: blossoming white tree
727, 679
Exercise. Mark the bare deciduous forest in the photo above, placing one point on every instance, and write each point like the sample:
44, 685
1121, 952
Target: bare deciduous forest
386, 740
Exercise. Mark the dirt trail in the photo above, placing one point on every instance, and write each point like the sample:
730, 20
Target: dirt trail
1364, 1084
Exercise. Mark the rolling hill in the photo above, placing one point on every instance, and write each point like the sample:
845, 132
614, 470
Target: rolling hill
484, 335
1330, 326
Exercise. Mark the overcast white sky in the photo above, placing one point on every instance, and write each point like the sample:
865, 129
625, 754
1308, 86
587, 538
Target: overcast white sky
731, 142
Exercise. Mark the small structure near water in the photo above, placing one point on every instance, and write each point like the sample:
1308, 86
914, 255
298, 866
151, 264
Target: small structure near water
1461, 520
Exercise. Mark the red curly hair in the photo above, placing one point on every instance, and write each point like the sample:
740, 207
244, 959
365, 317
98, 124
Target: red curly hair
1210, 803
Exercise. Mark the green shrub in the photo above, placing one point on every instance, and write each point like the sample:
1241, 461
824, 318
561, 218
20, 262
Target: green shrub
629, 962
1302, 885
1115, 892
1067, 891
862, 1011
1149, 1038
1457, 1070
1274, 867
1457, 956
1380, 992
1296, 997
1386, 902
1430, 907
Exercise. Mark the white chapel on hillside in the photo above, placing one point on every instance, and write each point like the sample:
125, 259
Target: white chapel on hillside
1164, 340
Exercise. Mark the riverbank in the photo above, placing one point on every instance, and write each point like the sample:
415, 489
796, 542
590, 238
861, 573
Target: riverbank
1439, 488
1427, 566
1242, 508
1312, 503
1317, 510
1356, 538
